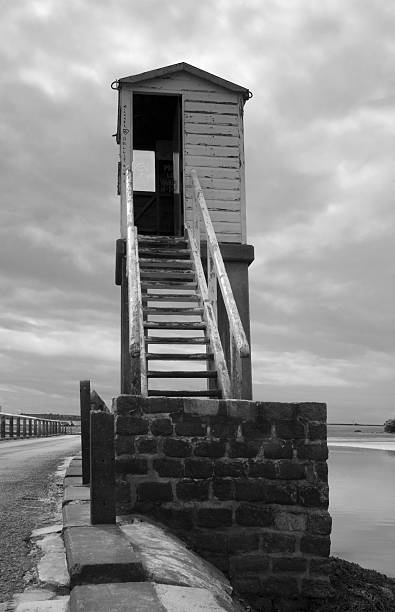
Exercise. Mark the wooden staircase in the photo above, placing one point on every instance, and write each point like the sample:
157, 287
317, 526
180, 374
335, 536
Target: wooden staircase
173, 319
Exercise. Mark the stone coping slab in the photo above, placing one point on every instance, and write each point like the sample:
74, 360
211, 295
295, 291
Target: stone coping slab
76, 515
100, 554
74, 470
72, 480
167, 560
144, 597
76, 494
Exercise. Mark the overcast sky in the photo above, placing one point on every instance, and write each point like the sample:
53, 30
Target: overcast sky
320, 189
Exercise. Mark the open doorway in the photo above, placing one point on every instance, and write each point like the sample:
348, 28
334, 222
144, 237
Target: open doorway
157, 164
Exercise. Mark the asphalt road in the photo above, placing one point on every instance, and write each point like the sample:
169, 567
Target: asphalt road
28, 499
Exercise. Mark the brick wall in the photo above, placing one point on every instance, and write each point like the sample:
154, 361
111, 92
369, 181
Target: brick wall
245, 483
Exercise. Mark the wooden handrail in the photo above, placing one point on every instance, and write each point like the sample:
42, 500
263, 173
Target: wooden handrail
235, 324
135, 309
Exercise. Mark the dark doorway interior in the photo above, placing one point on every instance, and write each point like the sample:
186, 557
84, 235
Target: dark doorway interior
157, 163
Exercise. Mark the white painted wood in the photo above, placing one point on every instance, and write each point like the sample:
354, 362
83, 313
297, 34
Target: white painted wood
133, 291
211, 129
209, 317
207, 151
221, 195
216, 173
235, 324
211, 184
196, 161
180, 81
224, 97
143, 360
243, 207
211, 108
126, 148
212, 140
210, 119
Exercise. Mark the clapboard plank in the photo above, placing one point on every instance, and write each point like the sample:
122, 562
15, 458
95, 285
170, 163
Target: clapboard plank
211, 108
196, 161
211, 140
225, 184
210, 118
212, 172
211, 128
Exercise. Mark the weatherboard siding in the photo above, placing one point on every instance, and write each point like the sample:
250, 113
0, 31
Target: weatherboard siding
212, 144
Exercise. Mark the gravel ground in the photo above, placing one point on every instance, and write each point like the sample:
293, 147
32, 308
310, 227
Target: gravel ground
28, 499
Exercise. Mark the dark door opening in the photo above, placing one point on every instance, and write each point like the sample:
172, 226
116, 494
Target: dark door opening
157, 164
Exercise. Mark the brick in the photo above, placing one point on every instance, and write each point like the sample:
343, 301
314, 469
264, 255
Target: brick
283, 586
129, 425
238, 448
276, 410
313, 496
161, 427
254, 515
320, 566
229, 467
317, 588
126, 464
315, 545
319, 523
223, 488
193, 429
247, 585
214, 517
278, 449
239, 409
250, 489
177, 448
177, 518
316, 451
317, 431
209, 540
223, 427
200, 407
312, 411
290, 521
262, 467
154, 491
198, 468
211, 448
274, 542
254, 562
281, 493
124, 445
289, 564
192, 490
147, 445
290, 430
321, 468
290, 470
243, 541
126, 405
255, 430
169, 467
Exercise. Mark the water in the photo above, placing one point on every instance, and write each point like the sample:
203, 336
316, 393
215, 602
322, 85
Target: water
362, 496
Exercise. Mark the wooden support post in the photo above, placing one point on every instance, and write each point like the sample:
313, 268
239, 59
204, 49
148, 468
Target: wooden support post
2, 426
24, 427
11, 428
35, 428
85, 408
102, 470
30, 428
18, 427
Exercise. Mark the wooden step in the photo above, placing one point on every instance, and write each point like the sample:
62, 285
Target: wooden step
180, 356
176, 340
167, 241
167, 274
173, 311
187, 393
174, 325
153, 284
182, 374
170, 297
151, 262
174, 252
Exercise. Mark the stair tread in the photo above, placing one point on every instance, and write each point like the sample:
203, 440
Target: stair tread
182, 374
167, 240
171, 297
180, 356
192, 311
174, 325
176, 340
187, 393
159, 253
167, 284
165, 263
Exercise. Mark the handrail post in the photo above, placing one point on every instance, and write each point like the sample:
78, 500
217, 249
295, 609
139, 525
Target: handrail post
2, 427
85, 408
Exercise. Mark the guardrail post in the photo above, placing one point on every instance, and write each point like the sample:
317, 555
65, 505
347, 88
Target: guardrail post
102, 470
85, 407
18, 427
24, 427
30, 428
11, 428
2, 426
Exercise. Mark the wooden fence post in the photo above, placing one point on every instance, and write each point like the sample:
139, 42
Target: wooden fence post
2, 426
18, 427
102, 470
11, 428
85, 407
